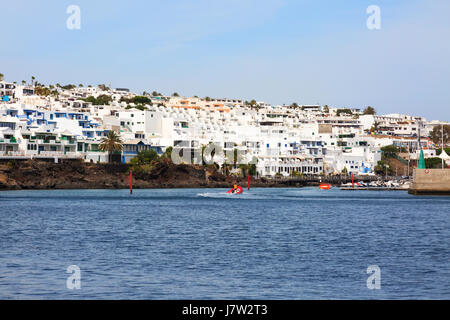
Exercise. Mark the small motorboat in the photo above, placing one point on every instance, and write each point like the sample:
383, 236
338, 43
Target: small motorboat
239, 190
324, 186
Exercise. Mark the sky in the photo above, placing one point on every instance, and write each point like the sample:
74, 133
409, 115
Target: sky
280, 52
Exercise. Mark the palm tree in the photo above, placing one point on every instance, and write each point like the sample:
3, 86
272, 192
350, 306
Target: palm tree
440, 133
1, 76
203, 154
252, 169
245, 168
370, 110
32, 80
376, 126
24, 82
226, 169
111, 143
235, 157
167, 155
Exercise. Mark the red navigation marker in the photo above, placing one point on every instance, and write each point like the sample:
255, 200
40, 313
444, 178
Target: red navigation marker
131, 182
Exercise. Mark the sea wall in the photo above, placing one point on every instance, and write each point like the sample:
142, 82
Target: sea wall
431, 181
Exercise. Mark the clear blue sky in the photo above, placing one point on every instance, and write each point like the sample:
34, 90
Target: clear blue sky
307, 51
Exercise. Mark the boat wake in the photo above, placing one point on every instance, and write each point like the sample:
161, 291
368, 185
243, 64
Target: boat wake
215, 195
304, 194
224, 195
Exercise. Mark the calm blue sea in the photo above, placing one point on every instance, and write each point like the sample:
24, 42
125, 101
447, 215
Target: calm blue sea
205, 244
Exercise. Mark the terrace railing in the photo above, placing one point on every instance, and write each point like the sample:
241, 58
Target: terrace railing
12, 153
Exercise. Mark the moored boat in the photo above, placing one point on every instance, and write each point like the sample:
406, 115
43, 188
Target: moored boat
324, 186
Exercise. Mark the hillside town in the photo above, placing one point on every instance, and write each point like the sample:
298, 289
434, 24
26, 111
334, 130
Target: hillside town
58, 122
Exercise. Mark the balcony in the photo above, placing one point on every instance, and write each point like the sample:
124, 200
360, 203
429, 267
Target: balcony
9, 141
58, 154
67, 142
51, 153
11, 154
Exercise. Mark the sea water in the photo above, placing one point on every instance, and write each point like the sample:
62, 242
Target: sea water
206, 244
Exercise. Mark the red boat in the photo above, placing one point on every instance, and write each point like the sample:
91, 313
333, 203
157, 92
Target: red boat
324, 186
238, 191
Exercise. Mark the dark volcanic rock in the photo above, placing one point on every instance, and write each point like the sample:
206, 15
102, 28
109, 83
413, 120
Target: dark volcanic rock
35, 174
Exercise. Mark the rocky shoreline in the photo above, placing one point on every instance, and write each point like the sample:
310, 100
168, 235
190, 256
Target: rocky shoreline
41, 175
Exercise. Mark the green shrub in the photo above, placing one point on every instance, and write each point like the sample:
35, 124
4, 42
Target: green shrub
433, 163
12, 164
